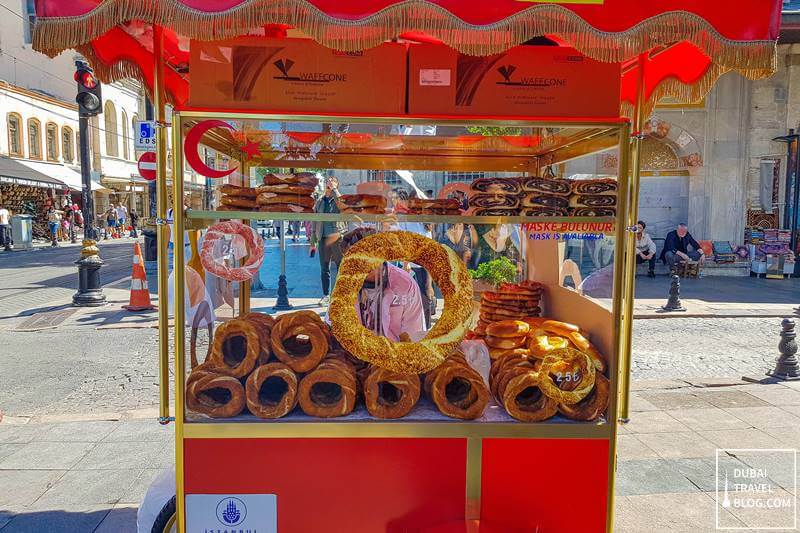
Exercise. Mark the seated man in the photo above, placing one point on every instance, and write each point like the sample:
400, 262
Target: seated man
395, 309
677, 248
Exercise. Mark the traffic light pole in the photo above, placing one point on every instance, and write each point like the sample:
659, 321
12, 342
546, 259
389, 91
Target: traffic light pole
89, 231
90, 291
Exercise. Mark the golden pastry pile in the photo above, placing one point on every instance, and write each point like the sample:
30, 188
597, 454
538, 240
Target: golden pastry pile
541, 367
543, 197
510, 301
269, 366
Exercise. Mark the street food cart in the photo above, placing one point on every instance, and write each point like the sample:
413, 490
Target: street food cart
510, 87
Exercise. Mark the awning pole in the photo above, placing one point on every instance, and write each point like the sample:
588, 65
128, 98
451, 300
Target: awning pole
630, 244
162, 227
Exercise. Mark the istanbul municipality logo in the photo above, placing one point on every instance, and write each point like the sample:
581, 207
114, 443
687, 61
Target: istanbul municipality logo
231, 511
756, 489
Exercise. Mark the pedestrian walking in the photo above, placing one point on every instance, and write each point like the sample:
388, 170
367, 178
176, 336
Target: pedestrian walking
122, 217
327, 236
54, 223
111, 221
134, 224
5, 228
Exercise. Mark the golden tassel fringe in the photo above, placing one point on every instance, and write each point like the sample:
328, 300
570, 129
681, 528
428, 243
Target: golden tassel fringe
53, 35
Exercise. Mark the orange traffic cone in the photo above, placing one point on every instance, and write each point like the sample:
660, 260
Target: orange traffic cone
140, 294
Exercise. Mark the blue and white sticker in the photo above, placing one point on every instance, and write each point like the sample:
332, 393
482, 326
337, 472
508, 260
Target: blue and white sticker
231, 513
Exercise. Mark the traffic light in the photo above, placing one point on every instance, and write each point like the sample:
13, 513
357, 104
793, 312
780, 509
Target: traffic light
90, 101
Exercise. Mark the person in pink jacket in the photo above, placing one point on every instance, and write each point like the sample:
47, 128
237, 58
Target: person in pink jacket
391, 290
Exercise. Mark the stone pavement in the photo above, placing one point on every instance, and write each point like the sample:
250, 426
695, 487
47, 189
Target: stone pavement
88, 476
667, 453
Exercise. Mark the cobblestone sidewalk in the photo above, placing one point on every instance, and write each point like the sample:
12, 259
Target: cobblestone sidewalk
89, 476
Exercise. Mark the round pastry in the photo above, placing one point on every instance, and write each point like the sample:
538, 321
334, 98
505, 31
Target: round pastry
505, 343
263, 324
497, 353
236, 348
567, 365
215, 395
239, 201
271, 391
583, 344
541, 345
215, 264
329, 390
593, 405
508, 328
270, 198
285, 189
448, 272
563, 329
388, 394
236, 190
299, 341
459, 391
524, 400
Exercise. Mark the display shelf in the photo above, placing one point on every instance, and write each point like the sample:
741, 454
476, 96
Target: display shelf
423, 421
199, 216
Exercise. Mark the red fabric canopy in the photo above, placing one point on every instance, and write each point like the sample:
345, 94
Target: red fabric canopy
714, 36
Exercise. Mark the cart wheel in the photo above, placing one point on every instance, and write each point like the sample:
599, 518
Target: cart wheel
165, 521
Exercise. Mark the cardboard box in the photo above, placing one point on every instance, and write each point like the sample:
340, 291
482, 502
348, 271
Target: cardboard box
296, 75
526, 81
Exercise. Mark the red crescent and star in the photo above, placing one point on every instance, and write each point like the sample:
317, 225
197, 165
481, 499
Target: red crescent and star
191, 143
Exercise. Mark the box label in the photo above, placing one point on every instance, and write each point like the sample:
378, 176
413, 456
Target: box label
435, 77
231, 513
528, 81
297, 75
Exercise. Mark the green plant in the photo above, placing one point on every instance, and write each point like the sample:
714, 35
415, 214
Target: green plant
495, 272
494, 131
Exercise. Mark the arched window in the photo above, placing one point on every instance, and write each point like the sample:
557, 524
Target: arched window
34, 139
125, 134
51, 141
110, 116
15, 147
134, 120
67, 147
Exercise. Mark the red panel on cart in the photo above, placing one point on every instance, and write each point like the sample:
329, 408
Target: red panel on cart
546, 485
353, 485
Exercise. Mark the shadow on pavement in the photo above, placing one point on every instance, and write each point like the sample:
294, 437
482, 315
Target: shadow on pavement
724, 289
99, 519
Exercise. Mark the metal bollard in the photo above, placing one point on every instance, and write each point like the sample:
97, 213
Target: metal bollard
787, 366
674, 301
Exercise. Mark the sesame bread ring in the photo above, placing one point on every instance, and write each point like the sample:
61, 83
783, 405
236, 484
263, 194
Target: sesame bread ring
212, 257
263, 324
390, 395
541, 345
559, 328
271, 391
445, 268
497, 353
593, 405
215, 395
329, 390
524, 399
567, 366
505, 343
291, 349
508, 328
583, 344
236, 348
457, 389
